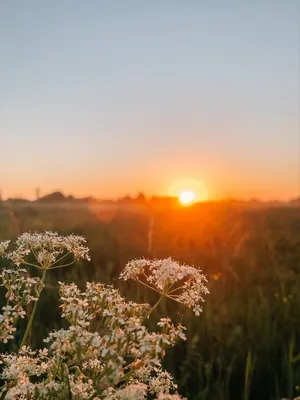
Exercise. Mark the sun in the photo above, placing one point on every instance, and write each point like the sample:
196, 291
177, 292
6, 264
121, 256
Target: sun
188, 191
187, 197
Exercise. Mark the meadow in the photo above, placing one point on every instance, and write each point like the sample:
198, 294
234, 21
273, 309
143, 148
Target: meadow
246, 343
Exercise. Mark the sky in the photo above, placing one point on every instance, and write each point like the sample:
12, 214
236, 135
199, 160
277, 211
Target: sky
111, 97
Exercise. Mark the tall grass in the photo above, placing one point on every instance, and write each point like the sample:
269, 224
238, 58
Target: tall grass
246, 344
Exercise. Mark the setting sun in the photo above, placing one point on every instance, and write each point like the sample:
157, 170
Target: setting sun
187, 197
188, 190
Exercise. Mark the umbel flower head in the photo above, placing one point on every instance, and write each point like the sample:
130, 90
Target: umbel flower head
48, 248
181, 283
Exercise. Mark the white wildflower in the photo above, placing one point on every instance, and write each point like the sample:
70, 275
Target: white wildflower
48, 248
3, 247
21, 290
106, 352
181, 283
134, 391
167, 396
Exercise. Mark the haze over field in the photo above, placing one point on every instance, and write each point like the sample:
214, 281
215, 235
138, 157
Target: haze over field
107, 98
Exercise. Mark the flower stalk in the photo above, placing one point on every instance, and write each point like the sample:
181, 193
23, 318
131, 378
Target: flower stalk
32, 315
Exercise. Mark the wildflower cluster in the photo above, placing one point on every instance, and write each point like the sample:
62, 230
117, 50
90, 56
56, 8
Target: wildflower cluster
48, 249
180, 283
106, 352
21, 290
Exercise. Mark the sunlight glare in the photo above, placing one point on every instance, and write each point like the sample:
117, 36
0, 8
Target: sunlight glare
187, 197
188, 190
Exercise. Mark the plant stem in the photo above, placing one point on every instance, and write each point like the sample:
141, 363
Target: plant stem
148, 286
61, 258
32, 265
154, 307
64, 265
29, 325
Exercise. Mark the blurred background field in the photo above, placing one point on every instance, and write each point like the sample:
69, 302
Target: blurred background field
246, 343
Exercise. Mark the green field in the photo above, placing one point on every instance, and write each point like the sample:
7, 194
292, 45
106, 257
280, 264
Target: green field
246, 343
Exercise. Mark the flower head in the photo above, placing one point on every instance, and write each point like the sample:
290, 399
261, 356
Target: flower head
3, 247
21, 290
47, 248
182, 283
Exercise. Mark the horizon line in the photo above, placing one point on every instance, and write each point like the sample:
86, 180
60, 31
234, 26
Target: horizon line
147, 198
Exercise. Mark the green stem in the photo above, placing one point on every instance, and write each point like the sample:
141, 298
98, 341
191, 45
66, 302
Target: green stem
174, 290
32, 265
154, 307
148, 286
59, 259
64, 265
29, 325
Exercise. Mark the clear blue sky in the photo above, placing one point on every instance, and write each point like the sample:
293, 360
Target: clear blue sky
104, 97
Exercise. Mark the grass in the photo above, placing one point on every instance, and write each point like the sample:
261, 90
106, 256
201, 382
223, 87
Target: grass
245, 345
